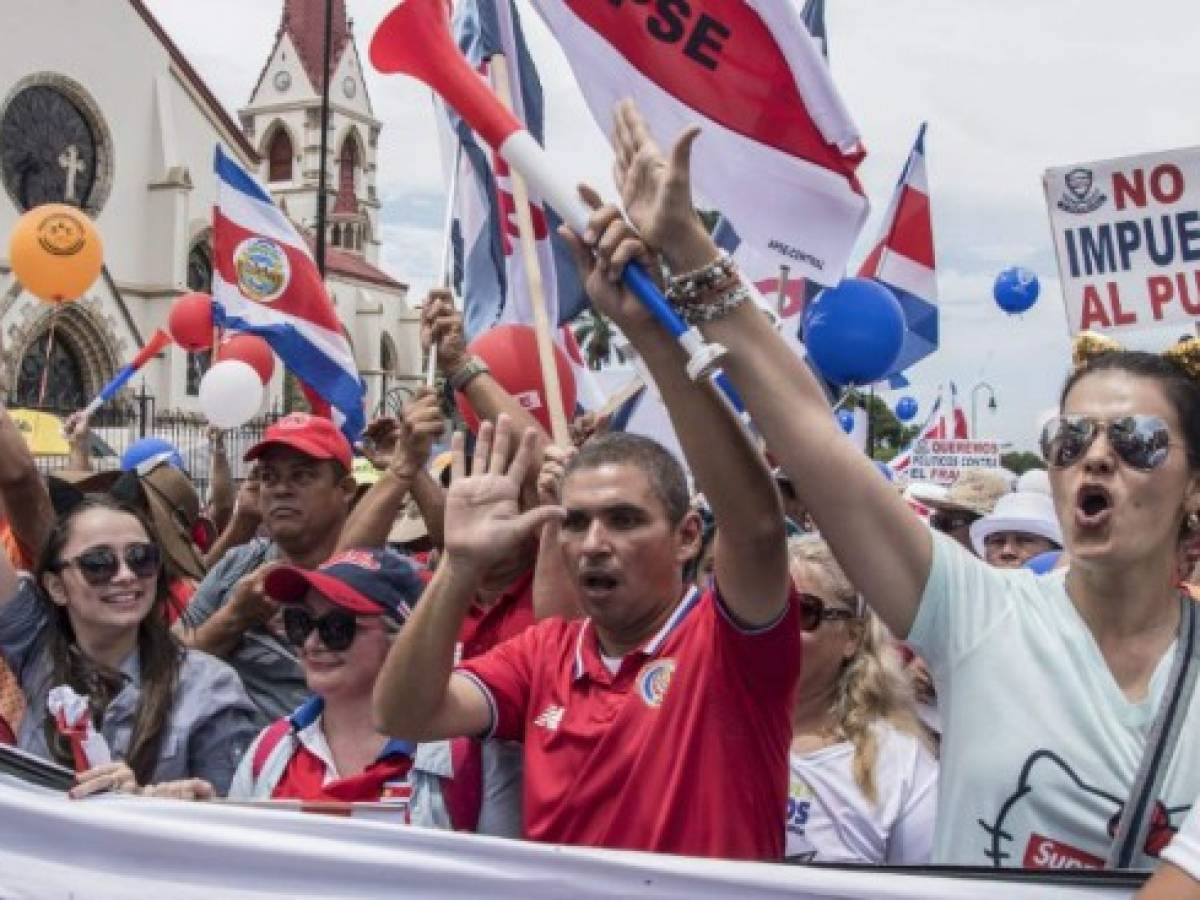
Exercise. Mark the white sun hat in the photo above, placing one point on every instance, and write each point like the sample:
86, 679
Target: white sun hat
1028, 512
1035, 481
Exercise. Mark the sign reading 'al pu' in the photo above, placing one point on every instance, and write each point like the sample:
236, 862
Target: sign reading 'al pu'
1127, 235
942, 461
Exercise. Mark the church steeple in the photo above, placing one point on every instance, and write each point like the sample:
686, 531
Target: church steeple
304, 22
283, 121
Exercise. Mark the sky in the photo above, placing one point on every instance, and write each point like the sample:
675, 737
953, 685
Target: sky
1009, 88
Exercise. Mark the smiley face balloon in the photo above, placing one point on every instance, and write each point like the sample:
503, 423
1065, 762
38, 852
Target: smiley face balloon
56, 252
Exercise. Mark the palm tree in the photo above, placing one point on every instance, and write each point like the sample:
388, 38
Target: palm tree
595, 333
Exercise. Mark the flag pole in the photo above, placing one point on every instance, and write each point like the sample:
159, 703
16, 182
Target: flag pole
321, 174
537, 300
447, 273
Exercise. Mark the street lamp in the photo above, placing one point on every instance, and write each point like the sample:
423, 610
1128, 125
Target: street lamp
991, 403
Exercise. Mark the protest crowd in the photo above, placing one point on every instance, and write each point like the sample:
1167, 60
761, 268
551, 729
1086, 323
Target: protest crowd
769, 655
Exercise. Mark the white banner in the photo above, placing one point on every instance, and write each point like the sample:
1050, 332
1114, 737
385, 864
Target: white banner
942, 461
125, 846
1127, 235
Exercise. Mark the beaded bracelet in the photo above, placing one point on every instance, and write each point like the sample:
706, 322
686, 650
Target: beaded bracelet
723, 305
687, 286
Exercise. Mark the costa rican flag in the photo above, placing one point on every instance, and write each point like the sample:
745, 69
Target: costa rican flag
779, 149
903, 259
958, 430
265, 282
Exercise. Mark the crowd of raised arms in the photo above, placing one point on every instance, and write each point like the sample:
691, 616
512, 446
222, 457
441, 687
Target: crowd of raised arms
764, 656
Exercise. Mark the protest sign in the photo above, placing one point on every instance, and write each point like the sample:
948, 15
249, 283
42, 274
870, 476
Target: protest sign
942, 461
1127, 236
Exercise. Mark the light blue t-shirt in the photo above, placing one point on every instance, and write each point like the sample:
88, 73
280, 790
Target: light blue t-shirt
1039, 744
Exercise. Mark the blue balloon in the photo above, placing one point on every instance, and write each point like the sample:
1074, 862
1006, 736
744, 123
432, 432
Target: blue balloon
1044, 563
1016, 290
846, 420
906, 409
885, 470
146, 448
854, 332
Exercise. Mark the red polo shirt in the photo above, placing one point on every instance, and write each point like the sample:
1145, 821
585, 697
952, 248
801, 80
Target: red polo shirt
684, 750
510, 614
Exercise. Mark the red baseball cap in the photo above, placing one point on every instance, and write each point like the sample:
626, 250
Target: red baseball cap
313, 436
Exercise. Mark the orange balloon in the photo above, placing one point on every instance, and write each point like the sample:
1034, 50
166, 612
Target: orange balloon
56, 252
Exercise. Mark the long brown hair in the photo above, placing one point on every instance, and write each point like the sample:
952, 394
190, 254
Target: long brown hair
160, 654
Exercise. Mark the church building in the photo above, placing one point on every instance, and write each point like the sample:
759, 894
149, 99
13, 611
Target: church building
100, 109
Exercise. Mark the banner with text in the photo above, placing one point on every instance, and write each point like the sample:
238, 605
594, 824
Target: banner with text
1127, 236
942, 461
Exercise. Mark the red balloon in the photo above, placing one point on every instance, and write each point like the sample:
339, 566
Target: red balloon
510, 351
191, 322
253, 351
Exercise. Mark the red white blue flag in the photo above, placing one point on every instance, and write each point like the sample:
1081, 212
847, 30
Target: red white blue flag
903, 259
779, 150
265, 282
934, 427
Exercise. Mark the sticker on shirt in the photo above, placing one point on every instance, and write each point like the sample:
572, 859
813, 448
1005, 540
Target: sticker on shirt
1024, 829
800, 798
653, 681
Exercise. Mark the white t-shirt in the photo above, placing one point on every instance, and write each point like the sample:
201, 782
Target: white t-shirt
1039, 744
829, 819
1184, 849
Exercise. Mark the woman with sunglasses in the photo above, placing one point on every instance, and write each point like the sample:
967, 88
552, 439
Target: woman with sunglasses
93, 618
863, 785
342, 619
1048, 686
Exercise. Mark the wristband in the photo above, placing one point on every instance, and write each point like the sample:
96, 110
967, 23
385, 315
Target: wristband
463, 375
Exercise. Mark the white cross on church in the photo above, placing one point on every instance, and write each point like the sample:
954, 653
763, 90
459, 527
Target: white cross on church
70, 160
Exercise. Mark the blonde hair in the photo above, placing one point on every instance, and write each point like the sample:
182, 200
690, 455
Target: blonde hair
872, 686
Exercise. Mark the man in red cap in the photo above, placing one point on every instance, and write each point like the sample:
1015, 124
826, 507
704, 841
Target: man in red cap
306, 489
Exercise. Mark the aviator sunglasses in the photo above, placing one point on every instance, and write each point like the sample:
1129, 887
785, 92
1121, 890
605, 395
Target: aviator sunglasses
99, 565
813, 612
1140, 441
336, 628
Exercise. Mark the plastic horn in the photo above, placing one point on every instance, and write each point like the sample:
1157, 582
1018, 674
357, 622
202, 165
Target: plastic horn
157, 343
414, 39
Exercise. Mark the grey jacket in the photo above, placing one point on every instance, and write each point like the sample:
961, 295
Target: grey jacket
211, 722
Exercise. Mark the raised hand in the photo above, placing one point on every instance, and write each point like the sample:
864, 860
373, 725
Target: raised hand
420, 425
483, 522
656, 190
77, 426
608, 244
555, 460
441, 325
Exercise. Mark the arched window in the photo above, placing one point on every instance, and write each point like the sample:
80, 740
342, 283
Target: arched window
199, 278
279, 157
50, 375
347, 161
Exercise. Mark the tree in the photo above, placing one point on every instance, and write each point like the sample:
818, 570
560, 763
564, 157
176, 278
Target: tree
1021, 461
888, 434
595, 332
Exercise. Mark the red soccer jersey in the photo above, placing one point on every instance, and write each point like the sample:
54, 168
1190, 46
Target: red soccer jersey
487, 626
684, 750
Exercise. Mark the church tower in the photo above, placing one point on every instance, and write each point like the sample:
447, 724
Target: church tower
283, 122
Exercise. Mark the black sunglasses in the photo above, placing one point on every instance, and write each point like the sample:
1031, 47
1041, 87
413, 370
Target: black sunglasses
813, 612
99, 565
336, 628
1141, 441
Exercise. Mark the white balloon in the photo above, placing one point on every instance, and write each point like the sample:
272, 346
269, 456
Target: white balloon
230, 393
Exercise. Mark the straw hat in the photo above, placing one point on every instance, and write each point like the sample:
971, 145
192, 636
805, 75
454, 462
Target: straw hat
974, 491
1025, 512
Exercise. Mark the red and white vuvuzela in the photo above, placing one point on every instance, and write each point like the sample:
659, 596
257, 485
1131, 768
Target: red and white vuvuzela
414, 39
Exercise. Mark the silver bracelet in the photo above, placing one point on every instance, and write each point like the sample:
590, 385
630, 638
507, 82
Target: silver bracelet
723, 305
684, 287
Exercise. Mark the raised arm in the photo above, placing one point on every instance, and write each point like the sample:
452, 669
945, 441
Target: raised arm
751, 556
416, 696
243, 523
77, 428
23, 492
222, 496
405, 446
851, 504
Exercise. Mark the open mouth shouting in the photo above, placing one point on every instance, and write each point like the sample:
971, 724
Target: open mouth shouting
597, 584
1093, 507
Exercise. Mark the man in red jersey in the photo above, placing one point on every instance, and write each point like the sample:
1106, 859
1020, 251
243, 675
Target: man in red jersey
660, 722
